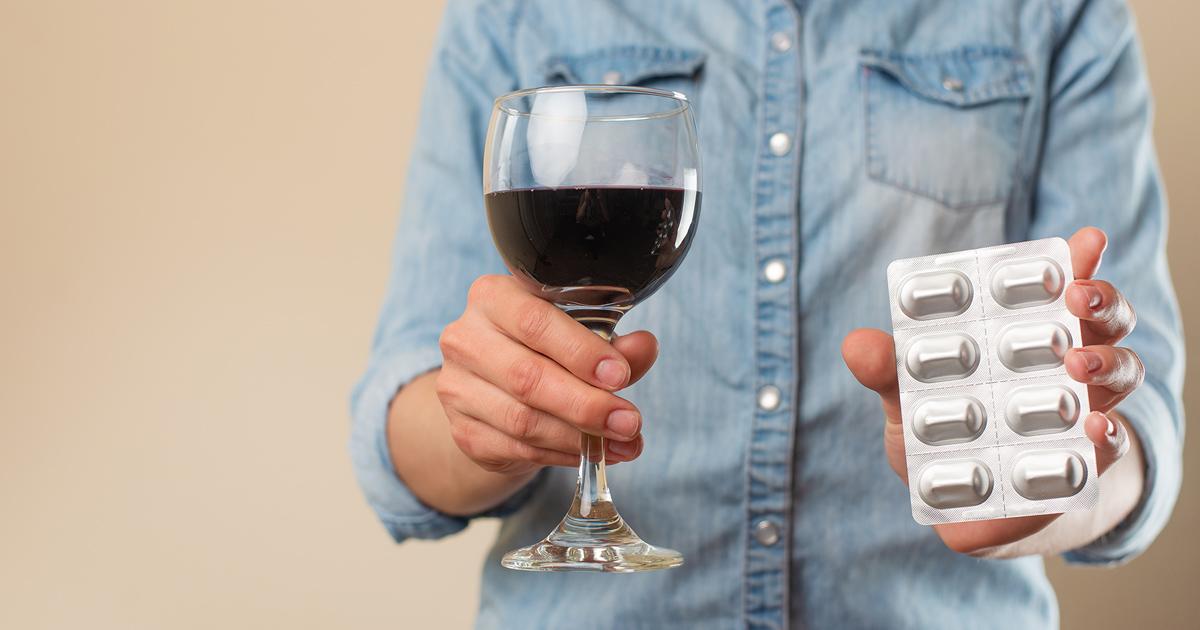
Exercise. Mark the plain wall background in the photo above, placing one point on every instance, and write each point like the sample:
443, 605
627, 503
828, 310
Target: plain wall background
196, 207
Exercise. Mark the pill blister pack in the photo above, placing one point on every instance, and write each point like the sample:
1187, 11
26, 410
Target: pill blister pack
993, 425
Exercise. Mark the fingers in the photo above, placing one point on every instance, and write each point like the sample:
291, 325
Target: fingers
1106, 315
475, 398
871, 357
544, 328
534, 380
496, 452
640, 349
1110, 437
1111, 373
1087, 248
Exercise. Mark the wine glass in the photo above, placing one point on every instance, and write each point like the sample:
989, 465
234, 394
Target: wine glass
592, 195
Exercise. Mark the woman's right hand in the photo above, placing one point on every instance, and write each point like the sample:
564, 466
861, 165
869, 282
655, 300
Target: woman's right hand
520, 379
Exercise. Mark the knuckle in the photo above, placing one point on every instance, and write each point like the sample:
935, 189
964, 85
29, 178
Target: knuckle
524, 376
463, 436
534, 323
574, 346
482, 289
445, 387
522, 421
589, 411
451, 341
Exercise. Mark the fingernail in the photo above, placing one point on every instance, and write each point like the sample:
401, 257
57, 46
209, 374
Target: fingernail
623, 422
1112, 428
624, 449
612, 373
1094, 296
1091, 360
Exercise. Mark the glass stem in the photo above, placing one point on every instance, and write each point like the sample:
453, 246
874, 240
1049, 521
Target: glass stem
592, 515
593, 485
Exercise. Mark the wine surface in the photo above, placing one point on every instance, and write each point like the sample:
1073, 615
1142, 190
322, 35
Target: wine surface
602, 246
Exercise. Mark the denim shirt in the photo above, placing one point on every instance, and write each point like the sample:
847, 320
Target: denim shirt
837, 135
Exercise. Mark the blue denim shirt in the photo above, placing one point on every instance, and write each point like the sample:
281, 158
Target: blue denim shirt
837, 136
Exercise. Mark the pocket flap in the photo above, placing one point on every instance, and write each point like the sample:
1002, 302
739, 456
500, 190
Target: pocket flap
624, 65
964, 77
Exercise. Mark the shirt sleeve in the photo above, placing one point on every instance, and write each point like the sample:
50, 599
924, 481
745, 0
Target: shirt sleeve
442, 244
1099, 168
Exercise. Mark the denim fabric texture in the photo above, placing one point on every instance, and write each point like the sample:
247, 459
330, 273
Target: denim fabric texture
837, 135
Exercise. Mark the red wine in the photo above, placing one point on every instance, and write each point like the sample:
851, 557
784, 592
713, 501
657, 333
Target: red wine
593, 248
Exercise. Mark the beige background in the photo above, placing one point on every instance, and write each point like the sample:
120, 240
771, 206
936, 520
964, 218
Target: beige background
197, 199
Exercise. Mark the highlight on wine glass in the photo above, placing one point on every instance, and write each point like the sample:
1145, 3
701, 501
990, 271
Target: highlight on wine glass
592, 195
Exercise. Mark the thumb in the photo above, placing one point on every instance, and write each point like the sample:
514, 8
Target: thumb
640, 349
871, 357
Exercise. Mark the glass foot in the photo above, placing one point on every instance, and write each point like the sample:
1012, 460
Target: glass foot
602, 542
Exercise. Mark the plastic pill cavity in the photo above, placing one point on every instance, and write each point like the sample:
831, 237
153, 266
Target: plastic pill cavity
1041, 410
1033, 346
949, 420
1028, 283
1050, 474
946, 357
955, 483
935, 294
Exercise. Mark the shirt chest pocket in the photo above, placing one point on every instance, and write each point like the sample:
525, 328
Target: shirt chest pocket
674, 69
946, 125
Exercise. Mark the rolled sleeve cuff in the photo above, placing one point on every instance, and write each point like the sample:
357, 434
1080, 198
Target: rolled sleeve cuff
1150, 416
402, 513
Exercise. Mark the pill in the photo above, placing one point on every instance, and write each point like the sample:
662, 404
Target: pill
1028, 283
935, 294
1033, 346
945, 357
1048, 474
955, 483
1041, 410
948, 420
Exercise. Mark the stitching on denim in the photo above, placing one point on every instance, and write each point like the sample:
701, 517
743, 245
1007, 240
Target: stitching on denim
876, 167
640, 63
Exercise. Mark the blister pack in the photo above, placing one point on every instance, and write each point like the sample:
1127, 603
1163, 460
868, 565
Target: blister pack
993, 425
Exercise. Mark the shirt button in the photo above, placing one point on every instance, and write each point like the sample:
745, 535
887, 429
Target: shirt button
781, 42
775, 271
766, 533
612, 77
769, 398
780, 143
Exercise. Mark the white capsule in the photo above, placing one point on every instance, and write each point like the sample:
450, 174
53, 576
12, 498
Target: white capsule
935, 294
1027, 283
1033, 346
948, 420
1041, 410
955, 483
945, 357
1048, 474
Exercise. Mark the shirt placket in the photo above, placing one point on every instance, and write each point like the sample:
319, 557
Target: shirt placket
775, 203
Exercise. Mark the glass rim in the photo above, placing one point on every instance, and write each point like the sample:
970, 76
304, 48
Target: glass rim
681, 100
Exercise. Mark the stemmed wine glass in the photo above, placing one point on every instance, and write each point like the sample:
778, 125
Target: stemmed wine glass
592, 195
